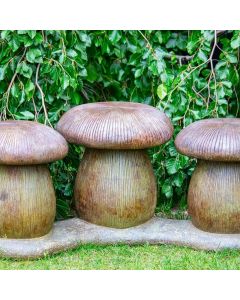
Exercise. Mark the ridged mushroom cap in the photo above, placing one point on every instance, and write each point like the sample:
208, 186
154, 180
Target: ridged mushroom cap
211, 139
29, 143
115, 125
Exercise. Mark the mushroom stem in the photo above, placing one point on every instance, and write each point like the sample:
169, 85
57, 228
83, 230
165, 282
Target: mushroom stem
115, 188
27, 201
214, 196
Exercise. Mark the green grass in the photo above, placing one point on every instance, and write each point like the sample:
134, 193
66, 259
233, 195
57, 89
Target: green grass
124, 257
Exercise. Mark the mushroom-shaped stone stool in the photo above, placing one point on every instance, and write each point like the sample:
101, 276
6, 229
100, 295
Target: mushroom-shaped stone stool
214, 191
115, 184
27, 197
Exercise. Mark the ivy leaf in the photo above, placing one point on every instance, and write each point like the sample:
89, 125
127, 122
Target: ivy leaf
162, 91
72, 53
38, 39
172, 166
29, 89
134, 58
22, 32
83, 72
32, 33
191, 45
65, 81
172, 150
115, 36
167, 189
14, 44
228, 84
138, 73
76, 98
5, 34
91, 73
220, 92
208, 35
222, 102
84, 38
196, 114
120, 75
235, 43
26, 40
15, 90
178, 179
34, 56
105, 46
232, 58
2, 73
202, 56
22, 98
24, 70
171, 43
29, 86
27, 115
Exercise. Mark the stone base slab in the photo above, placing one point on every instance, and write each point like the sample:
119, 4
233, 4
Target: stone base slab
69, 234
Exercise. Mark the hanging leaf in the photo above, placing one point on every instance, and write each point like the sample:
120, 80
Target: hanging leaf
162, 91
167, 189
34, 56
172, 166
27, 115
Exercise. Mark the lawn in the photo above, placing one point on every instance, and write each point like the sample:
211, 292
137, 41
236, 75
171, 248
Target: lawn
124, 257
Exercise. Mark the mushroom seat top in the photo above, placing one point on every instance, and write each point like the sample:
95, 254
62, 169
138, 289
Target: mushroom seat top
211, 139
115, 125
30, 143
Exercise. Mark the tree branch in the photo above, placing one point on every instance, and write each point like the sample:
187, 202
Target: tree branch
210, 59
180, 58
42, 96
221, 32
4, 114
212, 74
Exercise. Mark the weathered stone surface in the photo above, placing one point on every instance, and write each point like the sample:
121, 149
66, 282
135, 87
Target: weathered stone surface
70, 233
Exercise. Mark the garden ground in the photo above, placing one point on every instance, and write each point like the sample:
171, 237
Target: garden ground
125, 257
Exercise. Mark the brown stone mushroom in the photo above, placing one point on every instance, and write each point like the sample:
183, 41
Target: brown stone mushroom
214, 191
27, 197
115, 185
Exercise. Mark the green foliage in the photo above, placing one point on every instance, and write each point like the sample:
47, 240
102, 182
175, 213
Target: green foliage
190, 75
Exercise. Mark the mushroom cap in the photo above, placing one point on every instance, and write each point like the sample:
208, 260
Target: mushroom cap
30, 143
115, 125
211, 139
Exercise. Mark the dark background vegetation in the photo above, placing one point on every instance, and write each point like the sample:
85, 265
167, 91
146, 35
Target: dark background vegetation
191, 75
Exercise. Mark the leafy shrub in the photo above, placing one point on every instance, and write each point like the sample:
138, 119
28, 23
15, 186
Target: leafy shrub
190, 75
